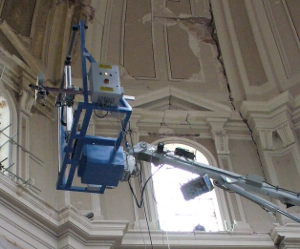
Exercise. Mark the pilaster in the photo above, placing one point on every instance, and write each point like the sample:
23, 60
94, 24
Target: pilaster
273, 131
235, 211
286, 134
149, 205
26, 102
219, 134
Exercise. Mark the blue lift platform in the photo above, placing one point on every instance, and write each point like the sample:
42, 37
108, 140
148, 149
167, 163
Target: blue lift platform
98, 161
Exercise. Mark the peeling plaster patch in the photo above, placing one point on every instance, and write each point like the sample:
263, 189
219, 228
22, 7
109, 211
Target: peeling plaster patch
196, 77
184, 62
195, 47
184, 16
84, 7
193, 41
194, 44
147, 18
198, 27
169, 21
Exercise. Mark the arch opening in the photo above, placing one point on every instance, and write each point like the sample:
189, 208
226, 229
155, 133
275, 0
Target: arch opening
174, 212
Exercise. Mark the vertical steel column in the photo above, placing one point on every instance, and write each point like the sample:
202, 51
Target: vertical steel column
67, 62
83, 61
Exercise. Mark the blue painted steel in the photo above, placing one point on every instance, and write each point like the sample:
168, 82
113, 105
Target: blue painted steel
99, 161
97, 167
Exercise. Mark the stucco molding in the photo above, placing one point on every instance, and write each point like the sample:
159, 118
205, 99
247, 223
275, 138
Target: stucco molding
17, 76
287, 236
265, 117
266, 110
29, 210
226, 240
183, 95
219, 135
36, 65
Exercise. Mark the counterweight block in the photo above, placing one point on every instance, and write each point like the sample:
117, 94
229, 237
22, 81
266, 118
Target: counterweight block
97, 166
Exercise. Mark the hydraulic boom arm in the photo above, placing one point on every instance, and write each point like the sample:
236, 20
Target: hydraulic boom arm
247, 186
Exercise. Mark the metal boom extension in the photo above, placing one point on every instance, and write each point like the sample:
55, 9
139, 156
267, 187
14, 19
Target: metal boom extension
239, 184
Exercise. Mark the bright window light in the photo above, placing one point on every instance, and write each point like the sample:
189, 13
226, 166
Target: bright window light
175, 213
4, 124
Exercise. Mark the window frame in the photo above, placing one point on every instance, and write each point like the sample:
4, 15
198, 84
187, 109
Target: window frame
150, 204
12, 153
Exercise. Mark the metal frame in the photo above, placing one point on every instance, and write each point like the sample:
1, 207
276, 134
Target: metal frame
72, 150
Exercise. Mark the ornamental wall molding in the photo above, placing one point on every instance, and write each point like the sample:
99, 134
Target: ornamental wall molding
219, 135
26, 210
224, 240
287, 236
38, 224
202, 102
268, 114
28, 58
267, 117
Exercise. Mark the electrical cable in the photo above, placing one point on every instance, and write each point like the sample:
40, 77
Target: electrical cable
144, 209
142, 189
62, 117
281, 189
100, 116
140, 226
140, 203
150, 237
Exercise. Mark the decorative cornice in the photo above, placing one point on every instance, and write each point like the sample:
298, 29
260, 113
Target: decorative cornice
57, 223
136, 239
189, 97
259, 113
265, 117
286, 236
33, 63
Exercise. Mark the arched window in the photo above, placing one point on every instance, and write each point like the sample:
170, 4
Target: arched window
5, 145
174, 212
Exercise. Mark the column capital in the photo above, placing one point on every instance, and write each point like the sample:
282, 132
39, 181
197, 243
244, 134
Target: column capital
219, 134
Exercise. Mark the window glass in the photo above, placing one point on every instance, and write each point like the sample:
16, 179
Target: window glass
5, 131
174, 212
